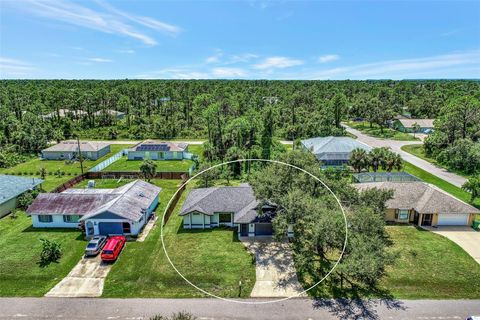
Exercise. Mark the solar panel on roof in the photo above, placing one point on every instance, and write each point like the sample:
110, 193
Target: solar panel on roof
153, 147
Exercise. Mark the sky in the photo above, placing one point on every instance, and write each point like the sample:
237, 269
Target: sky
243, 39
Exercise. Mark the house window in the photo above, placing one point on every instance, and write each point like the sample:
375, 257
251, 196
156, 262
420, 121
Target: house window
45, 218
403, 214
225, 217
71, 219
161, 155
126, 227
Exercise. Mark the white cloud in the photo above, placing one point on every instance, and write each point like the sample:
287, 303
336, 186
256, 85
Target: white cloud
129, 51
241, 58
277, 63
101, 60
112, 21
328, 58
215, 58
14, 68
228, 73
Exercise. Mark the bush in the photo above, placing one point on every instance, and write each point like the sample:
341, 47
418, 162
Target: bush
51, 252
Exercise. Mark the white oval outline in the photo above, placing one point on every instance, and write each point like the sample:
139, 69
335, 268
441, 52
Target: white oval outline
246, 301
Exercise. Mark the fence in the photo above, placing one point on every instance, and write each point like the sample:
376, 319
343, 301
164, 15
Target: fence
173, 204
102, 165
117, 175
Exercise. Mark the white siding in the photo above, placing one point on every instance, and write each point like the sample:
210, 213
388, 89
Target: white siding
57, 222
7, 207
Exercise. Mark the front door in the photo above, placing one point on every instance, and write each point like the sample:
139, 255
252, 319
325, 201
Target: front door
415, 218
427, 219
244, 229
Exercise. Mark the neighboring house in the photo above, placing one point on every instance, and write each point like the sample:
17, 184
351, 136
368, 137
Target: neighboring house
11, 187
423, 204
234, 207
114, 113
91, 150
65, 113
123, 210
158, 150
406, 125
333, 151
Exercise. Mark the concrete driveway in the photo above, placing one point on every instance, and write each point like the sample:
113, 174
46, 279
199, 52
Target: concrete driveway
275, 271
85, 280
465, 237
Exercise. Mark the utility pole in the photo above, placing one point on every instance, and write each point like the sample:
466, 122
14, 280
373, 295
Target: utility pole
80, 154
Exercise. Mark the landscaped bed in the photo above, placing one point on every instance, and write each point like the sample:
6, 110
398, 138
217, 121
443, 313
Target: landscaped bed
375, 131
125, 165
20, 247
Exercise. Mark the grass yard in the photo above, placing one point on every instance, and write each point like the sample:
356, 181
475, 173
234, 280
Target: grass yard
440, 183
125, 165
430, 266
214, 260
196, 149
375, 131
20, 248
417, 150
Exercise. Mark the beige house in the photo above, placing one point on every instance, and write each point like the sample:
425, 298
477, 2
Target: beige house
423, 204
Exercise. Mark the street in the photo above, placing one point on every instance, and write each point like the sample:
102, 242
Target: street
96, 309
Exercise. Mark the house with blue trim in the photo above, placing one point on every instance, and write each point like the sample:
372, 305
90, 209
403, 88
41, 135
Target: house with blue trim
11, 187
121, 211
158, 150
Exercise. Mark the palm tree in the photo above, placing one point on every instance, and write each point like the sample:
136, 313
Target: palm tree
376, 158
148, 169
359, 159
472, 186
415, 127
392, 161
43, 173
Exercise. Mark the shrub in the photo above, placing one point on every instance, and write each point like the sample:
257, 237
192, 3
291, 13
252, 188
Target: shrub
175, 316
51, 252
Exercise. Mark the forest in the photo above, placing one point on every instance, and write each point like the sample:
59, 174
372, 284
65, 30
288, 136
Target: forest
238, 117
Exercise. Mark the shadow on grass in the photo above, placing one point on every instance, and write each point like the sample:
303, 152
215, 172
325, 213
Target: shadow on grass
31, 229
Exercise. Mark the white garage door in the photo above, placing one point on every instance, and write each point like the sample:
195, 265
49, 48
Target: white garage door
452, 219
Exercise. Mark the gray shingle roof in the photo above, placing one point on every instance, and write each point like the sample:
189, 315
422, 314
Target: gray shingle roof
329, 148
239, 200
424, 123
13, 186
423, 197
72, 145
127, 201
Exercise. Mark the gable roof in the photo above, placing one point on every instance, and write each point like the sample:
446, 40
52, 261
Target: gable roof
13, 186
424, 123
127, 201
421, 196
239, 200
322, 146
110, 112
157, 145
72, 146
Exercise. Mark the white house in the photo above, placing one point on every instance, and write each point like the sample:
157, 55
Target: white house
158, 150
123, 210
11, 187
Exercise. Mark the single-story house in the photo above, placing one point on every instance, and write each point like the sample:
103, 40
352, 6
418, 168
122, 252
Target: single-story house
333, 151
234, 207
406, 125
11, 187
423, 204
113, 113
158, 150
123, 210
67, 150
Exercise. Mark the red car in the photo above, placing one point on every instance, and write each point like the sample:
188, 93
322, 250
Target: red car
113, 247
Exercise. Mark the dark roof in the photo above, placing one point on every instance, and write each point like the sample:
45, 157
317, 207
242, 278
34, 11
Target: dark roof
13, 186
127, 201
239, 200
423, 197
154, 145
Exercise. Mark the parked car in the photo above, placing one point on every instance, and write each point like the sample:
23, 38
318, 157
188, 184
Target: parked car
473, 318
95, 245
113, 247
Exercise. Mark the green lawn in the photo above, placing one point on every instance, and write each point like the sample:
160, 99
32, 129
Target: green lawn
125, 165
440, 183
430, 266
214, 260
20, 247
375, 131
417, 150
196, 149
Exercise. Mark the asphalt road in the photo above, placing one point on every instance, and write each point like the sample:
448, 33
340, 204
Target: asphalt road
395, 145
112, 309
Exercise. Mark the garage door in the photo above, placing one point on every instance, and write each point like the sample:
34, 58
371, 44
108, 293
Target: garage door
107, 228
453, 219
263, 229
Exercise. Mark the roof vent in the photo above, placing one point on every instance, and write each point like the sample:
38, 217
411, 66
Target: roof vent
141, 194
